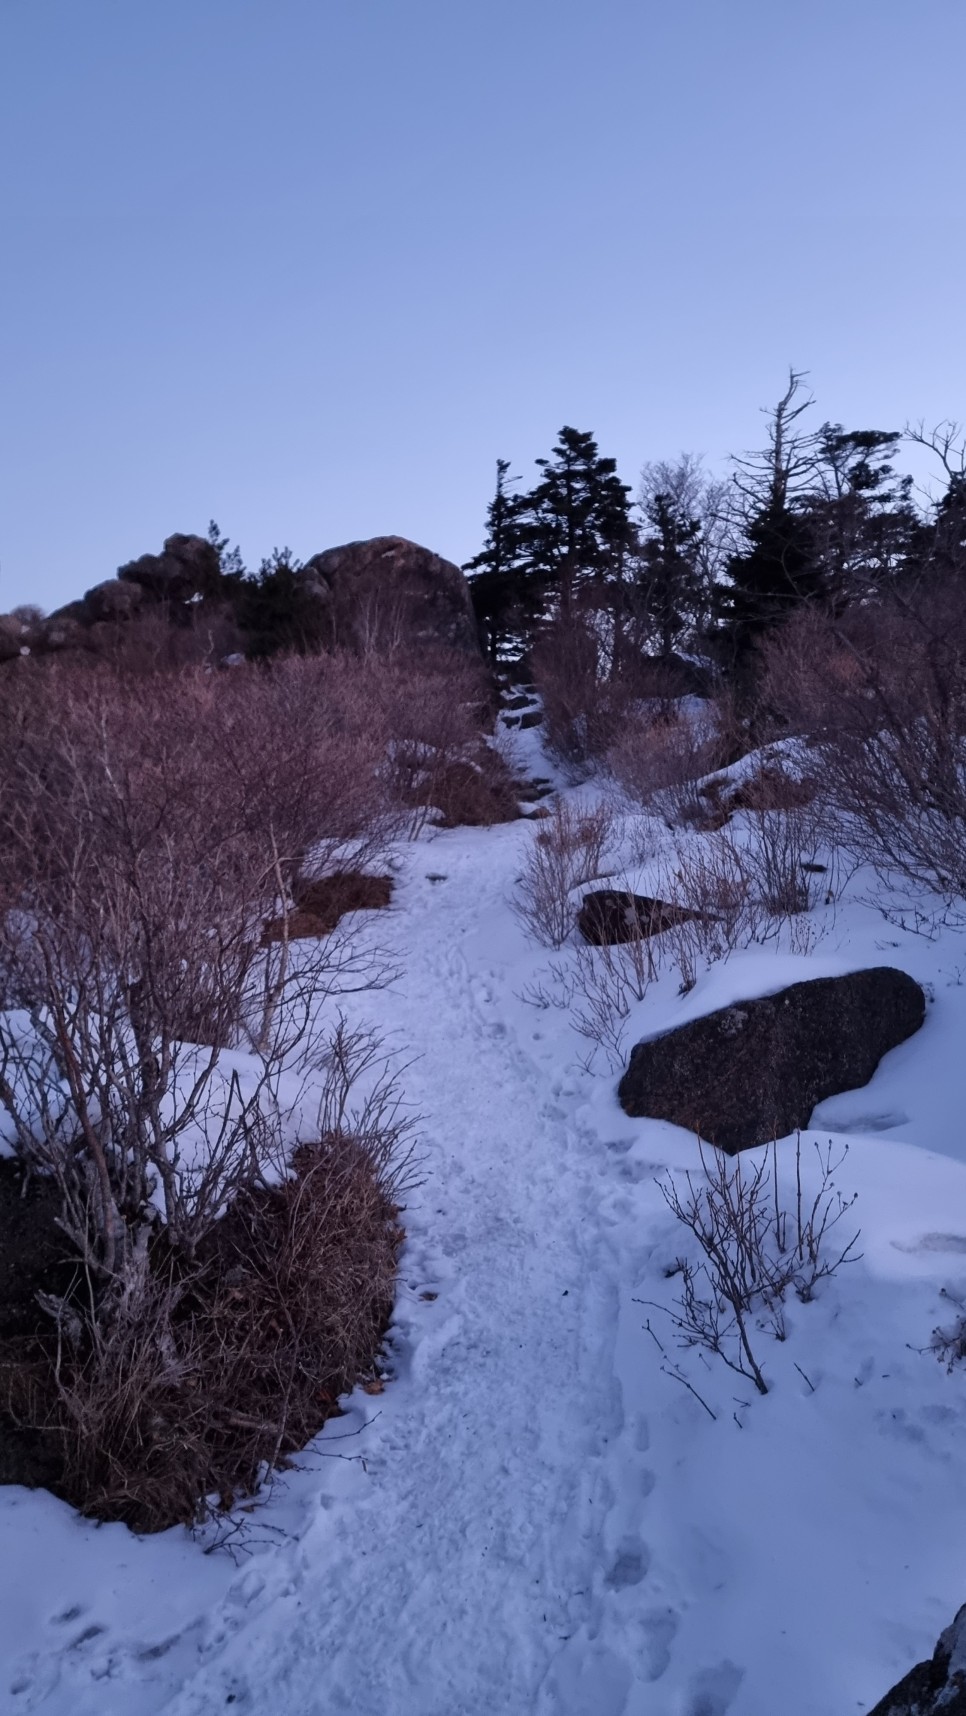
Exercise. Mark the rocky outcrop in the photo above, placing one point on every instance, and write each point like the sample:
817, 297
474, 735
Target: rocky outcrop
13, 636
610, 915
387, 590
936, 1687
755, 1071
187, 566
113, 600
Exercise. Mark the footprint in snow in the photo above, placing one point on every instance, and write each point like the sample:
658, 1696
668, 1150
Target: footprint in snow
712, 1691
584, 1679
657, 1629
630, 1565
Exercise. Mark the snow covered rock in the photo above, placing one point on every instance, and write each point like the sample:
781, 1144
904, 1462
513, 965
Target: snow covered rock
937, 1687
609, 915
754, 1071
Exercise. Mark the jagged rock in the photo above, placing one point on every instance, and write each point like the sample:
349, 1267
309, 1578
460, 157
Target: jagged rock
755, 1071
63, 629
936, 1687
188, 566
610, 915
113, 600
388, 590
13, 636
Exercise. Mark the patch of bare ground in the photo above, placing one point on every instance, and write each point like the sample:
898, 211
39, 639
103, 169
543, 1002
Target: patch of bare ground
322, 901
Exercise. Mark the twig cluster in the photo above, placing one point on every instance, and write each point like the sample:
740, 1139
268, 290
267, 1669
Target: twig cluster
753, 1250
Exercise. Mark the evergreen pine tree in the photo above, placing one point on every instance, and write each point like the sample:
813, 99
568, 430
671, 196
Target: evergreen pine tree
779, 567
497, 584
574, 525
663, 593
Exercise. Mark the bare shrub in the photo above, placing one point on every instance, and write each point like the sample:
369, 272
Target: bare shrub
881, 695
567, 852
606, 983
232, 1359
438, 709
949, 1342
584, 703
746, 885
660, 757
147, 832
779, 856
753, 1249
710, 881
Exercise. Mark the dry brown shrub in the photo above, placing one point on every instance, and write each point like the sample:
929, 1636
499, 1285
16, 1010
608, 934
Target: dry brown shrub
233, 1358
773, 788
236, 1363
660, 757
584, 703
567, 852
439, 709
147, 831
321, 902
881, 696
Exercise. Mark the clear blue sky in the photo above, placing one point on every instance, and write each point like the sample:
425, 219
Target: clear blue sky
309, 266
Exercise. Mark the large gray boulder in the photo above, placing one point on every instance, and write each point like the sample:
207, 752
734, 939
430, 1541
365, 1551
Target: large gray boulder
187, 566
13, 636
936, 1687
388, 591
755, 1071
113, 600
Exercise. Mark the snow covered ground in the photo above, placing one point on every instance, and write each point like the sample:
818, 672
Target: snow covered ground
535, 1517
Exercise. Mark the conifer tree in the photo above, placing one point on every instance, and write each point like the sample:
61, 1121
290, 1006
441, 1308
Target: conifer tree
778, 568
664, 591
574, 525
497, 583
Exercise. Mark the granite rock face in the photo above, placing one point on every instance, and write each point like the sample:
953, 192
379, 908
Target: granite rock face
936, 1687
389, 591
754, 1071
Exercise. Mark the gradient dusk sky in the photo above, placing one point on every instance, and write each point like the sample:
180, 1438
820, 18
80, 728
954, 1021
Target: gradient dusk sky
309, 267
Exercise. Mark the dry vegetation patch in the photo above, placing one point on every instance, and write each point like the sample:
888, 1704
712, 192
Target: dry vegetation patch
233, 1362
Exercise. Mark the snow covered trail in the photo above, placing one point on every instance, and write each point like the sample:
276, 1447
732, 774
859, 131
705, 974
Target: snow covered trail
533, 1518
468, 1575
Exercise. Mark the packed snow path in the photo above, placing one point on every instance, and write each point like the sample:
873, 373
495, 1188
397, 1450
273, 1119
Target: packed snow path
470, 1574
532, 1519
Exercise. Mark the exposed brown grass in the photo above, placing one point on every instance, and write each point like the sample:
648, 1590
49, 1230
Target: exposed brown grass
567, 851
233, 1364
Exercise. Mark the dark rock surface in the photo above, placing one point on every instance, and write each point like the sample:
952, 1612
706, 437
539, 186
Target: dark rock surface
936, 1687
755, 1071
610, 915
388, 590
187, 566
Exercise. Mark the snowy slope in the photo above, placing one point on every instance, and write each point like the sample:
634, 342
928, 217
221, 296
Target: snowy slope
534, 1517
